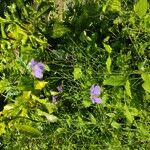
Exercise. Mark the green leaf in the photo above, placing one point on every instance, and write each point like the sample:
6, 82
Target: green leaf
84, 37
50, 118
86, 103
115, 5
127, 88
4, 83
107, 48
2, 128
2, 20
59, 30
39, 85
92, 119
146, 86
141, 8
28, 130
115, 80
77, 73
108, 64
53, 93
128, 114
143, 130
145, 77
115, 125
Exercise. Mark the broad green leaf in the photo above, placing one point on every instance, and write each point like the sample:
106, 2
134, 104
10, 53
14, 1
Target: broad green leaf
108, 64
60, 130
2, 20
107, 48
50, 118
77, 73
39, 85
128, 114
115, 125
127, 88
4, 83
106, 39
3, 31
111, 115
146, 86
42, 101
2, 128
53, 93
59, 30
26, 94
50, 107
28, 130
115, 80
46, 67
115, 5
141, 8
86, 103
145, 76
24, 112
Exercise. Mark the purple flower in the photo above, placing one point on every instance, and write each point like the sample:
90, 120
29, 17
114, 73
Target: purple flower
54, 98
95, 92
37, 68
60, 88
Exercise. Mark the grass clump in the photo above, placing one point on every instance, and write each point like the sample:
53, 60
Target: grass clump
98, 44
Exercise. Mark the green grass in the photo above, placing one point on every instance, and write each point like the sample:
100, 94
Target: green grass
92, 45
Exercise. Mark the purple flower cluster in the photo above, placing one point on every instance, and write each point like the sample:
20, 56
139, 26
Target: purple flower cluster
37, 68
95, 91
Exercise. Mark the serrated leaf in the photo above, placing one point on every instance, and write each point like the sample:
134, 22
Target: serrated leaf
115, 80
28, 130
127, 88
77, 73
108, 64
39, 85
115, 5
141, 8
107, 48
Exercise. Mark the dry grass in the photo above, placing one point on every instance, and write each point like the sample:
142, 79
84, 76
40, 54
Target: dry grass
60, 8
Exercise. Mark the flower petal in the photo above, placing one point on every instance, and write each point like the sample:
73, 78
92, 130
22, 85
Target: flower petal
95, 90
32, 63
97, 100
38, 74
60, 88
54, 98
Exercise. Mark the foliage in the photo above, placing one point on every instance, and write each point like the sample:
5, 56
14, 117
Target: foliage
103, 43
